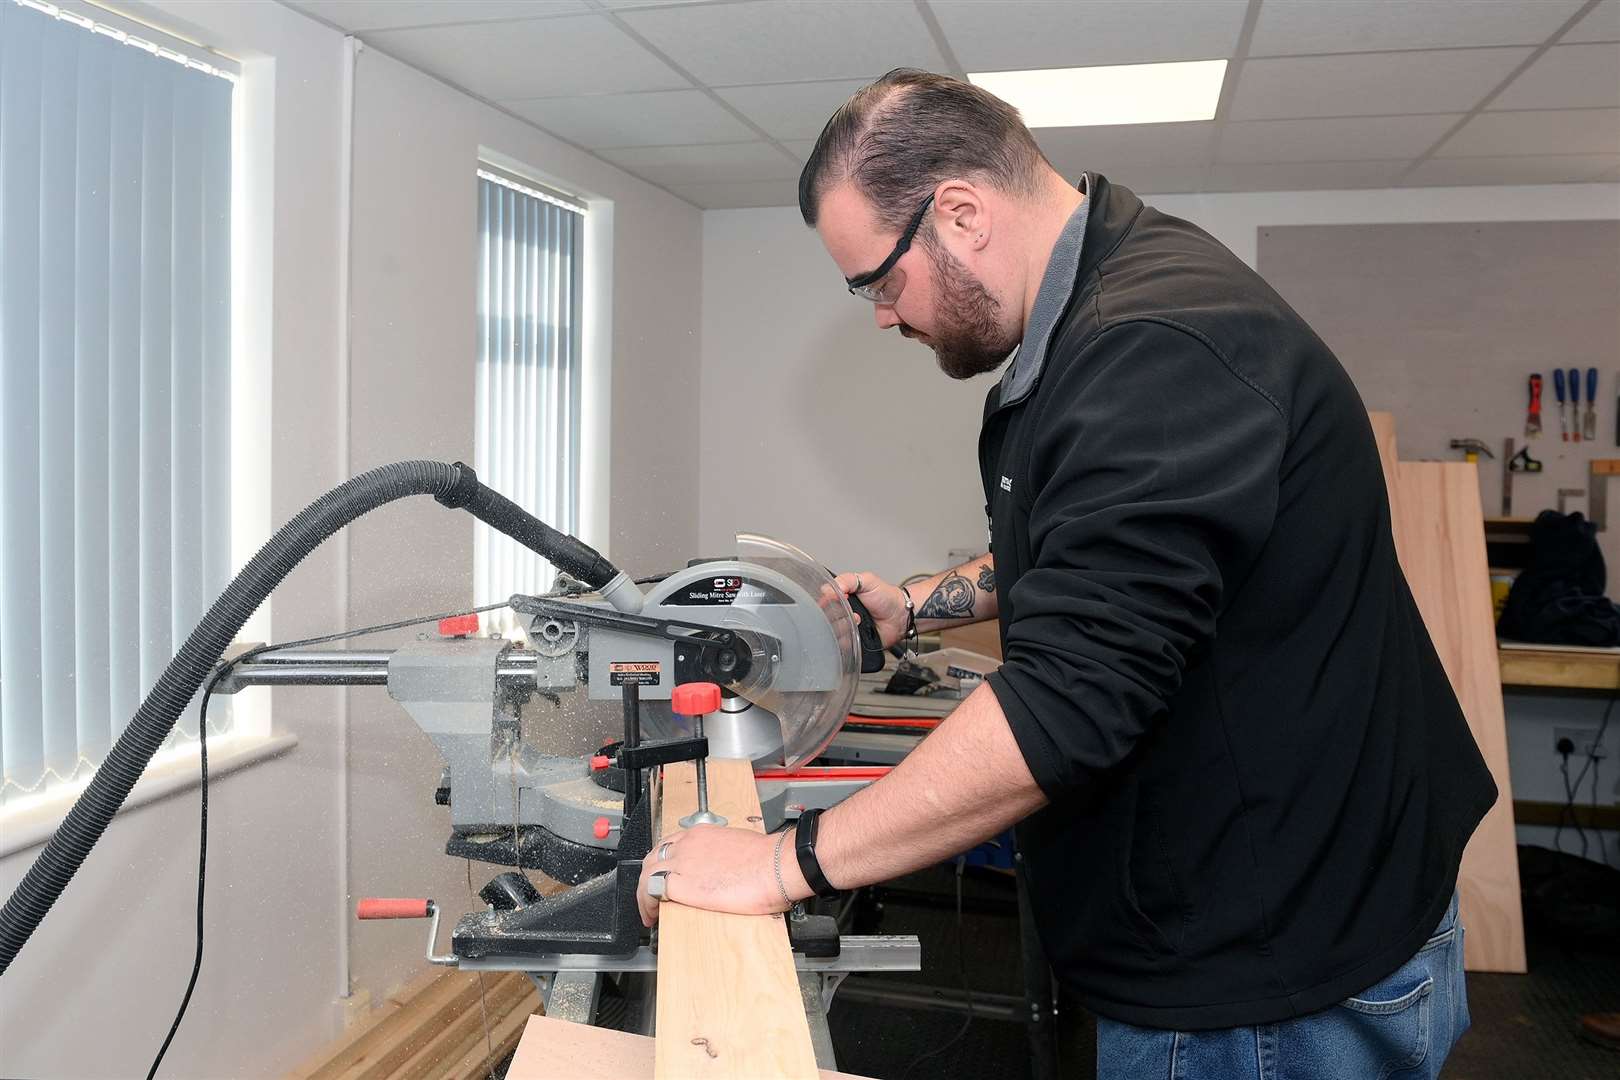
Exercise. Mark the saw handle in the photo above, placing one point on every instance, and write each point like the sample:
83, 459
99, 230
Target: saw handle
382, 907
872, 652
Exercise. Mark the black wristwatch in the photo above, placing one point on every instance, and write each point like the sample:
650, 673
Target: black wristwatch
804, 845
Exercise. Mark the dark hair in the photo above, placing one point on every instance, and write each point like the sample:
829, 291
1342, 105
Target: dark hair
899, 137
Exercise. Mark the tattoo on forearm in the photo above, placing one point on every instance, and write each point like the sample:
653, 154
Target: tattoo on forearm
987, 579
952, 598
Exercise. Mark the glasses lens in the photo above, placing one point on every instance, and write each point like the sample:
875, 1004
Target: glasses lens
886, 290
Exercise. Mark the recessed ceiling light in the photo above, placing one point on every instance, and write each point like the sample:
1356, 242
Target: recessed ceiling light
1120, 94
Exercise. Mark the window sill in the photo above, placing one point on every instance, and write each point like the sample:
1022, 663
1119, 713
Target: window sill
30, 825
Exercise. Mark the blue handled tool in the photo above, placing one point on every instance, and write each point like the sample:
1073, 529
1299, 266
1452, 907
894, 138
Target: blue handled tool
1563, 416
1575, 401
1591, 404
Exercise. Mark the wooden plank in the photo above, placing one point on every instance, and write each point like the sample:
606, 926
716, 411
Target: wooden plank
503, 995
1440, 538
726, 980
557, 1050
1577, 669
333, 1058
1383, 425
477, 1062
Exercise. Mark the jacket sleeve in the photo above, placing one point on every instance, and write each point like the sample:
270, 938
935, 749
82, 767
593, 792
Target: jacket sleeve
1155, 469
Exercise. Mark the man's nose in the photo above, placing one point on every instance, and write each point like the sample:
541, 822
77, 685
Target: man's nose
886, 318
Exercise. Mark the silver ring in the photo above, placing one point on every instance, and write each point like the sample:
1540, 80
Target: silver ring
663, 851
857, 591
658, 885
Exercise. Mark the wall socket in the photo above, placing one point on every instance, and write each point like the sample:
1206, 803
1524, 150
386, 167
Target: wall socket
1584, 740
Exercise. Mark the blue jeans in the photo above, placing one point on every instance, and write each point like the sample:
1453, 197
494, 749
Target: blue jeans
1399, 1029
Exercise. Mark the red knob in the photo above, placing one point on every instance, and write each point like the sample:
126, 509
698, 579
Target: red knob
695, 698
601, 829
458, 625
600, 762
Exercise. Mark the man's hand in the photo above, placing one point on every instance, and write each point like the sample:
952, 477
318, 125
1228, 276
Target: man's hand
721, 869
883, 600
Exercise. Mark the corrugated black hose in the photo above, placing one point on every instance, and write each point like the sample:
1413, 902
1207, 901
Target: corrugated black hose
454, 486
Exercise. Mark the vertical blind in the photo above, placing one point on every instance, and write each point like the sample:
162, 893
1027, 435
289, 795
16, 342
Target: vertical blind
528, 373
114, 382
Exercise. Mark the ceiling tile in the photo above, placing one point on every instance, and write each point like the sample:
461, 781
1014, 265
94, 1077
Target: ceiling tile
789, 40
735, 195
799, 148
1553, 131
582, 54
1303, 175
1287, 27
694, 165
791, 110
1370, 84
1006, 35
1567, 77
618, 5
1523, 169
1104, 149
657, 118
1602, 23
358, 15
1332, 138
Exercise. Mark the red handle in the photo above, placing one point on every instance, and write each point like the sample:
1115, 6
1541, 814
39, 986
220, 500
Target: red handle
1535, 395
381, 907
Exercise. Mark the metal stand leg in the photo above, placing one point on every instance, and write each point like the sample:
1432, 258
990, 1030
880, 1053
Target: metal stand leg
815, 1011
1037, 986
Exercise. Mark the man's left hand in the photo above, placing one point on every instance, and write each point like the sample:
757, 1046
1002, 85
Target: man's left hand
721, 869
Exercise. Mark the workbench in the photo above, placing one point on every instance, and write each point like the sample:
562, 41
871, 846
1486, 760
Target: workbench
1570, 667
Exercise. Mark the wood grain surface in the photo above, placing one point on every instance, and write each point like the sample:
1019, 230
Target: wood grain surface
728, 996
557, 1050
1440, 538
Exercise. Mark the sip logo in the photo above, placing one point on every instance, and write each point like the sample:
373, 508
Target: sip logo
1006, 483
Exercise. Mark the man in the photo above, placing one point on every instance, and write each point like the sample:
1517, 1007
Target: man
1241, 780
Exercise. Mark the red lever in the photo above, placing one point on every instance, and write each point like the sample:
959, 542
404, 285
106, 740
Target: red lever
600, 762
601, 829
695, 698
379, 907
459, 625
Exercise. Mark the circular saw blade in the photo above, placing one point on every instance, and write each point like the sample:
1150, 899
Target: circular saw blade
808, 671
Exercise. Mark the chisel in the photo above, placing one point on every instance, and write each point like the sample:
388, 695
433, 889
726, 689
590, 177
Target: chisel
1532, 419
1563, 416
1575, 403
1591, 404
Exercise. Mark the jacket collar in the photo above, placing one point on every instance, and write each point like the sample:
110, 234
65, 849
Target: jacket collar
1098, 226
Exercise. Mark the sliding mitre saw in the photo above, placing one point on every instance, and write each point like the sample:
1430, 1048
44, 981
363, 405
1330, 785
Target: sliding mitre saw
769, 627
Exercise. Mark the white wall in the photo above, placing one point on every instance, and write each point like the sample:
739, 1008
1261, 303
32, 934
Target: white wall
417, 146
851, 444
95, 990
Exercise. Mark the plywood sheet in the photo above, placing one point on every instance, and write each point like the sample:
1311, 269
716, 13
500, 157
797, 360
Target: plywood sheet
1440, 538
728, 996
557, 1050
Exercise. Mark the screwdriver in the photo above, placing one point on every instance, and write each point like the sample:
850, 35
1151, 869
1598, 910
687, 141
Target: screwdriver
1558, 389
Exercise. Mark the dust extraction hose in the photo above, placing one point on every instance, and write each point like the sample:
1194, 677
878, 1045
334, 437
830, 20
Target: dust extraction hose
454, 486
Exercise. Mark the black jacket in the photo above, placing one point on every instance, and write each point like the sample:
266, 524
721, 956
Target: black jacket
1260, 780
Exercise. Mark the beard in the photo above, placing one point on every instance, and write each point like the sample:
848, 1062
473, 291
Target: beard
970, 340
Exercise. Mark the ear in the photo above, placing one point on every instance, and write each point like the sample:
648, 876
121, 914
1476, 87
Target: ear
962, 215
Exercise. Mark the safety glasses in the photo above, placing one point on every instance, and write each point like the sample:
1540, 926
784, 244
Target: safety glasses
884, 285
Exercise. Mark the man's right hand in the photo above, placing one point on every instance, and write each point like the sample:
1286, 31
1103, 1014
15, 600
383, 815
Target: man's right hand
883, 600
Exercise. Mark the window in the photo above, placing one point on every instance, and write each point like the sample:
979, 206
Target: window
115, 370
527, 416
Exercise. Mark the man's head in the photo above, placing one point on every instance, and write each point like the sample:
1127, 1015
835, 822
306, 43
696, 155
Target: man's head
917, 186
